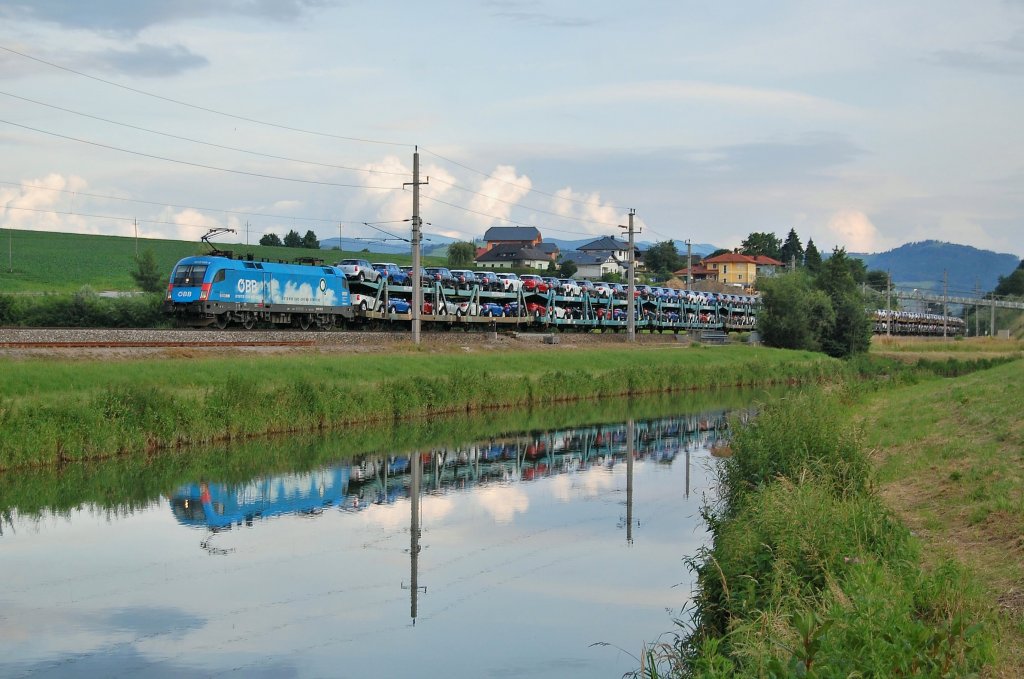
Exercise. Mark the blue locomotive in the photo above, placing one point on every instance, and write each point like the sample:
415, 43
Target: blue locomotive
220, 291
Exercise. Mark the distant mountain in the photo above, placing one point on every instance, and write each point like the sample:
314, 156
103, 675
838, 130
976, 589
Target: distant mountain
921, 265
699, 249
433, 244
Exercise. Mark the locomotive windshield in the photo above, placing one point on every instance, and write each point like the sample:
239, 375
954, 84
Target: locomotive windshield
189, 274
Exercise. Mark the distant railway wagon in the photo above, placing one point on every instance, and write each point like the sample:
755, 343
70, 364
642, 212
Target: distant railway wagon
219, 291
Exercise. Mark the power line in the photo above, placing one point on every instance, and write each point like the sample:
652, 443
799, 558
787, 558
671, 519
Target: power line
524, 207
199, 141
511, 183
502, 219
202, 108
189, 207
201, 165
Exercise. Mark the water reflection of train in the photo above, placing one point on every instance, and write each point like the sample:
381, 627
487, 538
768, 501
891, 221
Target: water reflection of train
375, 479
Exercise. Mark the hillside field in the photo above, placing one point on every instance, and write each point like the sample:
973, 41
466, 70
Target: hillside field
38, 261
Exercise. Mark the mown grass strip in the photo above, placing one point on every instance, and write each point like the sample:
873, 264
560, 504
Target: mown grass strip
54, 412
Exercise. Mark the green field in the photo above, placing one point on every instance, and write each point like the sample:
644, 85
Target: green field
38, 261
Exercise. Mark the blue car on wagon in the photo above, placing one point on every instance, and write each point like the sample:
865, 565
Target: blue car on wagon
220, 291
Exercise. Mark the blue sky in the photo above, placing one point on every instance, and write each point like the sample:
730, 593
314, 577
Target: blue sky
861, 124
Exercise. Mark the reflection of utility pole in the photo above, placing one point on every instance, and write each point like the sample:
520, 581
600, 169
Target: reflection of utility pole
630, 449
687, 472
414, 536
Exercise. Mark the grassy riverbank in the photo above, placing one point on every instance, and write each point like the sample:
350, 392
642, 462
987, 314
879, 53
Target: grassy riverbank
951, 464
134, 481
57, 411
815, 570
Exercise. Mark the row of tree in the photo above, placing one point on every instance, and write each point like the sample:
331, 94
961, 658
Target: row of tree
821, 310
292, 240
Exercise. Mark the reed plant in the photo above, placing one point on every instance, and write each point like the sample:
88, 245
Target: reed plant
810, 574
57, 412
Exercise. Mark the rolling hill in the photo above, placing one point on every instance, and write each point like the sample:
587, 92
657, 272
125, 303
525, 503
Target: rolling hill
921, 265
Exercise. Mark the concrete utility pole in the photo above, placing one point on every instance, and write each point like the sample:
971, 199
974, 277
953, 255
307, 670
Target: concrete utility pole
631, 288
417, 291
992, 317
977, 309
136, 223
888, 303
945, 280
689, 265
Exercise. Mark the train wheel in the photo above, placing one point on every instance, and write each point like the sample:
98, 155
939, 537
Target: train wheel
222, 321
303, 321
362, 306
249, 321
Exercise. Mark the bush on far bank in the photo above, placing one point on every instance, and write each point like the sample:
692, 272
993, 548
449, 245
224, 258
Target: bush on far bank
82, 309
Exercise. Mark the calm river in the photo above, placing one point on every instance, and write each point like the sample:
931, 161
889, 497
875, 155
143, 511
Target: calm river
552, 553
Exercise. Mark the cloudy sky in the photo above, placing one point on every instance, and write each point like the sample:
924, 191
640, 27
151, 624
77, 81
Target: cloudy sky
864, 124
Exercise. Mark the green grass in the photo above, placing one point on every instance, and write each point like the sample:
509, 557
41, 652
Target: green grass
66, 262
810, 574
53, 411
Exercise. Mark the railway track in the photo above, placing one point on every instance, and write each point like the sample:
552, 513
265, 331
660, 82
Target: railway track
150, 344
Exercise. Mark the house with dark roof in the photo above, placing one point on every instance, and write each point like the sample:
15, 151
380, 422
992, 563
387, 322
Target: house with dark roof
511, 256
593, 264
522, 236
617, 248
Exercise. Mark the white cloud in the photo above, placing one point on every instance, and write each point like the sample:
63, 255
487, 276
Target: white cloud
46, 204
853, 230
588, 212
498, 193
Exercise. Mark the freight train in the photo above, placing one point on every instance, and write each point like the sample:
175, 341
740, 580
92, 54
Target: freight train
219, 291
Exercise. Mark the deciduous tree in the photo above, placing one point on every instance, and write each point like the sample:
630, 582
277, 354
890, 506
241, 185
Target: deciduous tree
758, 243
461, 254
270, 239
292, 239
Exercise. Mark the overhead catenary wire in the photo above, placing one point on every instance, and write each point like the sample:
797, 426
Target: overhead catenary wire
204, 143
201, 165
203, 108
242, 213
295, 129
530, 189
441, 157
502, 219
118, 218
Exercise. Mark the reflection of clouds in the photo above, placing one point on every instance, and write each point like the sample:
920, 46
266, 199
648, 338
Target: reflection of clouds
502, 502
388, 516
588, 484
436, 507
